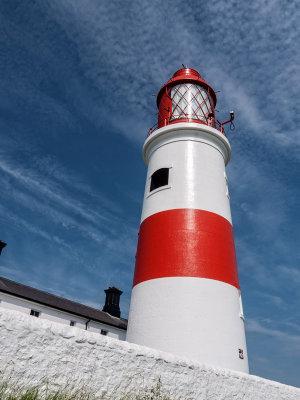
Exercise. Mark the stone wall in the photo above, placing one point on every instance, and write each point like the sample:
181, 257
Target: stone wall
36, 352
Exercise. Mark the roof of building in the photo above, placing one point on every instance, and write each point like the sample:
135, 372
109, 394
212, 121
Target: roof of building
60, 303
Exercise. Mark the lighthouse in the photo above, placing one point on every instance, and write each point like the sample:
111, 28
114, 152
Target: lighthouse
186, 297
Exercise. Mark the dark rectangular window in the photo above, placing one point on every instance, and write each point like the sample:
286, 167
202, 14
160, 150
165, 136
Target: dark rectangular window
103, 332
159, 178
72, 323
34, 313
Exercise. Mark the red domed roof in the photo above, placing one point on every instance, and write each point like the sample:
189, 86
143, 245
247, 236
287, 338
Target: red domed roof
187, 72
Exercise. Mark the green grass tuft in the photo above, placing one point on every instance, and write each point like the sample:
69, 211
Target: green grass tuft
10, 390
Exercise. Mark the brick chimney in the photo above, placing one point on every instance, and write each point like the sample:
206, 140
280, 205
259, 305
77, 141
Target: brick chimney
112, 301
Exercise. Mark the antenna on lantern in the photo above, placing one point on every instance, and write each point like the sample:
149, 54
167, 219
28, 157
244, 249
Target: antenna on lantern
232, 127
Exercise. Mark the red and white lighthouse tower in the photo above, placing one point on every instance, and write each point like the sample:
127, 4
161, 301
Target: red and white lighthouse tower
186, 297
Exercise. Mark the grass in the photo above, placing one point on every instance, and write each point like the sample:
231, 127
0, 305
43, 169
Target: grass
10, 390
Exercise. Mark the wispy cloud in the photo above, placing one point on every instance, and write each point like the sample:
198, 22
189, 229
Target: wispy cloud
276, 300
232, 65
290, 340
50, 190
45, 200
289, 273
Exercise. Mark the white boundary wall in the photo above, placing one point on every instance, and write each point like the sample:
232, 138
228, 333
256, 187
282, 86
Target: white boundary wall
36, 351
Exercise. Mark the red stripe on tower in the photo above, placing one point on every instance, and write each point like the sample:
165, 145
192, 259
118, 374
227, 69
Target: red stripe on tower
193, 243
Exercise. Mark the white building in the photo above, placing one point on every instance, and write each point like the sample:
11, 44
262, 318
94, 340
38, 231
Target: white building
40, 304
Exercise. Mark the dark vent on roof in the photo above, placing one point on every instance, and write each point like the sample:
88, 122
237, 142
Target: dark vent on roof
112, 301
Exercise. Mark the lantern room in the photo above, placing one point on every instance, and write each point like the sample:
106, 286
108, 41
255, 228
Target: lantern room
186, 97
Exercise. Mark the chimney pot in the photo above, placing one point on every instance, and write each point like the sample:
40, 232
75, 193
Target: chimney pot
112, 301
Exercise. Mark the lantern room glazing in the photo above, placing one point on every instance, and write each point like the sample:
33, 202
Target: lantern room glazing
186, 97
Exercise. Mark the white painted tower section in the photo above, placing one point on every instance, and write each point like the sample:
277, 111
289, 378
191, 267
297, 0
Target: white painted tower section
198, 318
196, 155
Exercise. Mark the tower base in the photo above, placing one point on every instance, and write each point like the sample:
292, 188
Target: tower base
197, 318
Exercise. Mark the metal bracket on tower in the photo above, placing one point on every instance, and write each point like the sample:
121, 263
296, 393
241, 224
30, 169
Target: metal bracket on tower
232, 127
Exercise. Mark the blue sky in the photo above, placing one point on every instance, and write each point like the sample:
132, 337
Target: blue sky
77, 79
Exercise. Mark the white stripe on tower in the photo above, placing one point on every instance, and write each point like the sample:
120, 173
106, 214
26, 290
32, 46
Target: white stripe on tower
186, 294
195, 155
